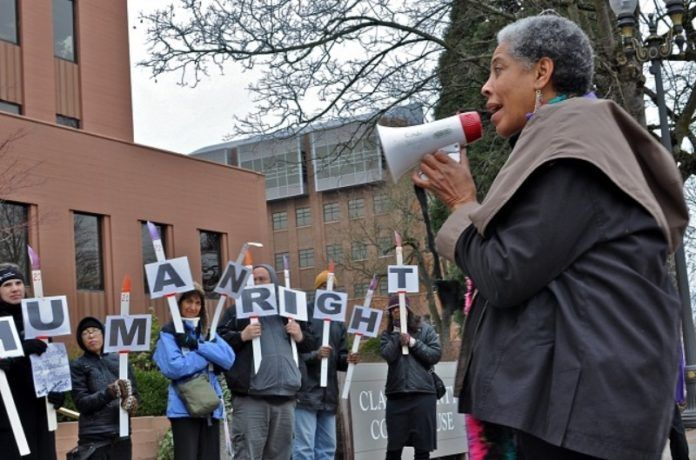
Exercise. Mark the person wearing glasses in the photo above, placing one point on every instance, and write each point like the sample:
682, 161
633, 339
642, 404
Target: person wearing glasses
98, 393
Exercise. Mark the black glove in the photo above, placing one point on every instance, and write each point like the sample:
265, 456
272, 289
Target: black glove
186, 341
56, 398
5, 364
34, 347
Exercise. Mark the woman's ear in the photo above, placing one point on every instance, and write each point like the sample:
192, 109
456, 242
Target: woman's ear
543, 71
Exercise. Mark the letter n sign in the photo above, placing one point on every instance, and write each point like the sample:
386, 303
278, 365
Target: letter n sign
233, 280
168, 277
10, 346
127, 333
45, 317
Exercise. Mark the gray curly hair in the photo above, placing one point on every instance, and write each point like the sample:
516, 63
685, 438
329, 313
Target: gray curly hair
564, 42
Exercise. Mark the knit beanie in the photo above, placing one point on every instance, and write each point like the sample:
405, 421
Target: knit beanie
323, 278
394, 302
86, 323
9, 273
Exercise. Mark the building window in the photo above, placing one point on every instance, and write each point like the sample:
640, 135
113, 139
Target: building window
211, 260
14, 234
68, 121
358, 250
64, 29
306, 258
280, 220
8, 21
332, 213
385, 245
303, 216
360, 290
88, 252
148, 250
356, 208
279, 260
10, 107
380, 203
334, 252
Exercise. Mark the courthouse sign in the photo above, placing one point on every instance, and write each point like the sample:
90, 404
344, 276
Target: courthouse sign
368, 403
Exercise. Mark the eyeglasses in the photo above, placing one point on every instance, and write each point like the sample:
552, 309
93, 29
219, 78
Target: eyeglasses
90, 331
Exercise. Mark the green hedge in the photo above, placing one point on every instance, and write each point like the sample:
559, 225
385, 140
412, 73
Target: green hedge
152, 386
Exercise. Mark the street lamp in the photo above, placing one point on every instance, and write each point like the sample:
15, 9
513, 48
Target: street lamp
656, 48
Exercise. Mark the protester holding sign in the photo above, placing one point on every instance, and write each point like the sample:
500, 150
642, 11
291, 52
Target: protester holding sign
32, 410
315, 414
410, 391
182, 357
264, 402
98, 393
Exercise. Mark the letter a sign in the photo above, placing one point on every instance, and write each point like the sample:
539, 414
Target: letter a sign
168, 277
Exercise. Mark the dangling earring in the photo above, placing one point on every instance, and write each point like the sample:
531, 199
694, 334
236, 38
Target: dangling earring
538, 100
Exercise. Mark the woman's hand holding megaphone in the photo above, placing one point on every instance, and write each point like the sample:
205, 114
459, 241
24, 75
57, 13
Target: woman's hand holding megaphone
450, 181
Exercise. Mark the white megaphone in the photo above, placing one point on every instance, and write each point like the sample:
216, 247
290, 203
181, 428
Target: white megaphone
404, 147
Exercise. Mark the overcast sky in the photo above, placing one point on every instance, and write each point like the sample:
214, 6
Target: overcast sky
181, 119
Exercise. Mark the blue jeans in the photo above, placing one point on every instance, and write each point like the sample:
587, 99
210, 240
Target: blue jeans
315, 435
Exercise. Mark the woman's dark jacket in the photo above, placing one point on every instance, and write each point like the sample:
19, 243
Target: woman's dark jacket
409, 373
99, 411
574, 333
32, 410
312, 396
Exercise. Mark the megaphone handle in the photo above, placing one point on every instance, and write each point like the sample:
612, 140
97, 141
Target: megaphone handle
423, 202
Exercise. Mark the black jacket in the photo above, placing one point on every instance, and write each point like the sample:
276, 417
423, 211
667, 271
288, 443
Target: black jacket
312, 396
574, 335
99, 411
32, 410
409, 373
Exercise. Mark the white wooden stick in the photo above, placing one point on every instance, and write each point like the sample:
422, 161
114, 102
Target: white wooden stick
351, 367
293, 344
171, 300
123, 414
12, 414
256, 346
325, 361
403, 319
216, 316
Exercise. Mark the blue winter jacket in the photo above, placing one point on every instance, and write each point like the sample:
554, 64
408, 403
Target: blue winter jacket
175, 364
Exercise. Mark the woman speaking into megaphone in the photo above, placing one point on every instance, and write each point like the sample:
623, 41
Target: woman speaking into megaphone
570, 349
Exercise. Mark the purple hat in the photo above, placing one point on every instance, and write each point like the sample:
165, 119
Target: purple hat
394, 302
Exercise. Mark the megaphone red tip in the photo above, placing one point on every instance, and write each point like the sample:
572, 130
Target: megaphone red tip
471, 124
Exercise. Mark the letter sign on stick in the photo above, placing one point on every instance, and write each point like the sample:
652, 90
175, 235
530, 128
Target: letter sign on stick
168, 277
45, 317
365, 321
292, 304
257, 301
11, 347
402, 278
127, 333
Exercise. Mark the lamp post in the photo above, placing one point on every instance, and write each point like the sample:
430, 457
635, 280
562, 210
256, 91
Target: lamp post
656, 48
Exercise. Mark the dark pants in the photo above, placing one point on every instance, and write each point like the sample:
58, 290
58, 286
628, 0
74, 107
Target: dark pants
417, 455
533, 448
196, 438
678, 445
120, 449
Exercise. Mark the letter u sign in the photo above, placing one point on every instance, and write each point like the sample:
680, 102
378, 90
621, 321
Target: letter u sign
45, 317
